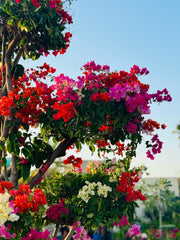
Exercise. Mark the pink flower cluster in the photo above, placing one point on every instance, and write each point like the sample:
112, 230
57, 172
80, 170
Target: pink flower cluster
35, 235
123, 221
133, 231
4, 233
65, 88
55, 211
80, 232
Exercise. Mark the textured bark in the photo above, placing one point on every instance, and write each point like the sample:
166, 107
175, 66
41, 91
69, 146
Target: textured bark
18, 56
14, 175
8, 174
60, 151
8, 57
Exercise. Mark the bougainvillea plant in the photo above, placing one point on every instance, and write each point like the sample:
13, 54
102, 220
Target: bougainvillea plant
104, 109
102, 194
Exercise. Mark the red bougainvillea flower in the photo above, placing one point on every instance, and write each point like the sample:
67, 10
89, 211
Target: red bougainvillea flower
102, 143
5, 185
103, 128
88, 124
120, 147
6, 104
24, 199
76, 162
65, 111
149, 125
100, 96
163, 126
126, 184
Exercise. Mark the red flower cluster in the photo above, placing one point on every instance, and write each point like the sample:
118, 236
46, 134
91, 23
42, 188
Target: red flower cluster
55, 211
150, 125
126, 184
100, 96
88, 124
34, 2
102, 143
103, 128
120, 147
65, 111
6, 104
24, 199
32, 101
76, 162
5, 185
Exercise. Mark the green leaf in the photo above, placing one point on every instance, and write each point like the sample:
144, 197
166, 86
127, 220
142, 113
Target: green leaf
25, 126
92, 148
2, 144
71, 133
3, 161
18, 71
25, 172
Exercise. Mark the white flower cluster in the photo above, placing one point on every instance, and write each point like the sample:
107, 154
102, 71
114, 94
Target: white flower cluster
113, 178
90, 189
6, 209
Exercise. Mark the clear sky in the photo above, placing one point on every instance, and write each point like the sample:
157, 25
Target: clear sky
121, 33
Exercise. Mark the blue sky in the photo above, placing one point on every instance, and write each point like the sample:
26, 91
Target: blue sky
121, 33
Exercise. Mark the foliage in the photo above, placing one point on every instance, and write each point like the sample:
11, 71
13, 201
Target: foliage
38, 26
92, 197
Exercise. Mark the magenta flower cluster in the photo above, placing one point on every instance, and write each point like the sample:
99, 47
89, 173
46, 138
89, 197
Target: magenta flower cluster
131, 127
92, 66
35, 235
123, 221
156, 147
81, 233
4, 233
161, 96
54, 211
134, 231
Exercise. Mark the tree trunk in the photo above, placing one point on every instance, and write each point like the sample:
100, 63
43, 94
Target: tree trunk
14, 175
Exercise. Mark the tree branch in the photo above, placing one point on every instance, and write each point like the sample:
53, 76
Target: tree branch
18, 56
3, 57
8, 57
8, 174
60, 151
